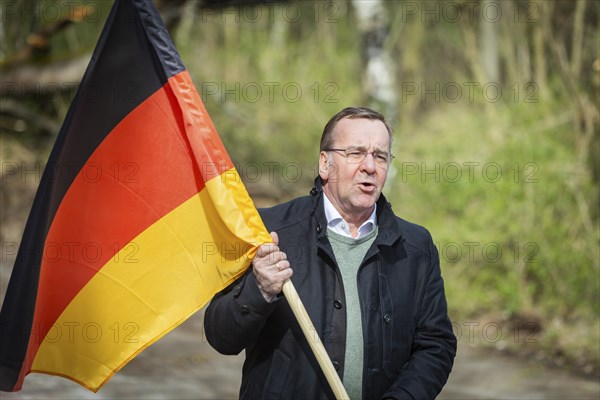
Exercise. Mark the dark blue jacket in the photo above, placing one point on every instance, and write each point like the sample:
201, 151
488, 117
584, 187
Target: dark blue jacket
409, 346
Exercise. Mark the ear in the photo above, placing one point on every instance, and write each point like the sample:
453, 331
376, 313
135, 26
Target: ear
324, 165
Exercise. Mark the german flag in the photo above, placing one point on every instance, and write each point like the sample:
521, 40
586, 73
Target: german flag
139, 219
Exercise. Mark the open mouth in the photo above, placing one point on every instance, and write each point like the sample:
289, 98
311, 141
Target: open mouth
367, 186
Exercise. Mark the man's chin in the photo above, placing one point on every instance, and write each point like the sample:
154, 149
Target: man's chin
366, 203
369, 199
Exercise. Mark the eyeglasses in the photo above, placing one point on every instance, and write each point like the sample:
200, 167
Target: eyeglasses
355, 156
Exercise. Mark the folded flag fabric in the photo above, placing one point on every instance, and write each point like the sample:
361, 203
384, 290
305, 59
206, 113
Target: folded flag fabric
139, 219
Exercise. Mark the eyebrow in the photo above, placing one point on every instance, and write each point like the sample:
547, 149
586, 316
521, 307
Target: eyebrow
363, 148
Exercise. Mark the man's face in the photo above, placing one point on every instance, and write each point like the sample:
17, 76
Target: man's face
353, 188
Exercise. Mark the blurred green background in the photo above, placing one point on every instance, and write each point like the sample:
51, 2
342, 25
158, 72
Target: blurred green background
495, 106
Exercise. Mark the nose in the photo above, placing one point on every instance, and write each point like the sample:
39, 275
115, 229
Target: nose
368, 165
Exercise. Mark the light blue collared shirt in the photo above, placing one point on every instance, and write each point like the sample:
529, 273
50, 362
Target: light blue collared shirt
339, 225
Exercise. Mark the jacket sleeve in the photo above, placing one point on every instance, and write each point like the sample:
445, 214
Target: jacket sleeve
434, 344
236, 316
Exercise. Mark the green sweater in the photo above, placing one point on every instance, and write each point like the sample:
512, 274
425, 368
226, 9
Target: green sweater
349, 254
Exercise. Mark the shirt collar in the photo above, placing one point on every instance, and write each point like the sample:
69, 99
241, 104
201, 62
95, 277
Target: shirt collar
339, 225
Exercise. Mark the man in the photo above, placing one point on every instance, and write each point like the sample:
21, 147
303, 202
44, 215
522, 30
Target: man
369, 280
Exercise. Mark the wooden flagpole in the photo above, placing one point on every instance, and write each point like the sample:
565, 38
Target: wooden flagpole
314, 341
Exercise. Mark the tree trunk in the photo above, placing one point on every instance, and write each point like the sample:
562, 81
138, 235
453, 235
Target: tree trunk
540, 36
578, 26
379, 76
489, 41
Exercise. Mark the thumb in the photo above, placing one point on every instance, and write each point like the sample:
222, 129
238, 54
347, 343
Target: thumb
274, 237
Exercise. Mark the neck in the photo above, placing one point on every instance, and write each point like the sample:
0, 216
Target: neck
356, 222
354, 219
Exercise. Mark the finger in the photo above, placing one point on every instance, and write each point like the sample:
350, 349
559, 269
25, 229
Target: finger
281, 265
269, 259
275, 237
278, 257
268, 269
283, 275
266, 249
